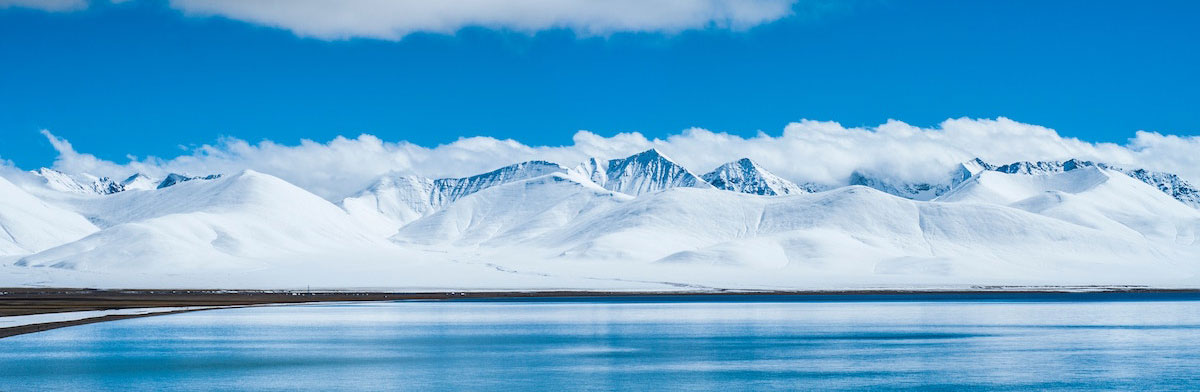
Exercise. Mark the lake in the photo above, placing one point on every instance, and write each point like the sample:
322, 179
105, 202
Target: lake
966, 342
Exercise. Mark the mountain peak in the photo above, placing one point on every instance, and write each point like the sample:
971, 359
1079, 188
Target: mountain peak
746, 176
139, 181
648, 171
651, 151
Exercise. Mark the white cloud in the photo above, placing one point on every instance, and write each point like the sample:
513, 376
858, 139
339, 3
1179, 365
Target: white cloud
394, 19
823, 152
46, 5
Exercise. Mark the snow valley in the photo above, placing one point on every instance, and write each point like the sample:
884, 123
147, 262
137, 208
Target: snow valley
642, 222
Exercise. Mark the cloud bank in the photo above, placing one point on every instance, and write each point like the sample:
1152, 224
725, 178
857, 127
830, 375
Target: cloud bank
394, 19
806, 151
46, 5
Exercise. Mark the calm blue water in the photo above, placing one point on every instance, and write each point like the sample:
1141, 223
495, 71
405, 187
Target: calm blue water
630, 344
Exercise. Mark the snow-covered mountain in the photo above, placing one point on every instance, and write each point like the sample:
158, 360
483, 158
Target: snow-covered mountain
60, 181
447, 190
907, 190
1038, 167
921, 190
513, 213
1088, 196
1168, 183
176, 178
969, 169
594, 169
396, 200
80, 183
644, 172
140, 182
88, 184
854, 230
630, 221
746, 176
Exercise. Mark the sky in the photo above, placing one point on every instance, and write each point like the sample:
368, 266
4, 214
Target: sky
184, 78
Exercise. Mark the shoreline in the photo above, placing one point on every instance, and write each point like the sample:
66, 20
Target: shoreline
37, 301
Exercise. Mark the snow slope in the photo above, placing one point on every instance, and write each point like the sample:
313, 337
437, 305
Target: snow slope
235, 221
28, 224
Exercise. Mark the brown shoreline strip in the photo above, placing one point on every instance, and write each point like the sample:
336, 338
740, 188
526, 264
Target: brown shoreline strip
31, 328
30, 301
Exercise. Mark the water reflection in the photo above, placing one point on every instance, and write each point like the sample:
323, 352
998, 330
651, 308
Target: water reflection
629, 345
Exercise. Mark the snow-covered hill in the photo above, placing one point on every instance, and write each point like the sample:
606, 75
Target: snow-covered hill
239, 220
29, 225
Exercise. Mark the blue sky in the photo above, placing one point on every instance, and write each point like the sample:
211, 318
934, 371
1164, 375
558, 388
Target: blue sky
145, 78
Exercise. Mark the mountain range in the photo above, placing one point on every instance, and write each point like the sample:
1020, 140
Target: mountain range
639, 221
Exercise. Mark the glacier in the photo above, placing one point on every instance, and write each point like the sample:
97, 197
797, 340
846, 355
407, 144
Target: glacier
642, 222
